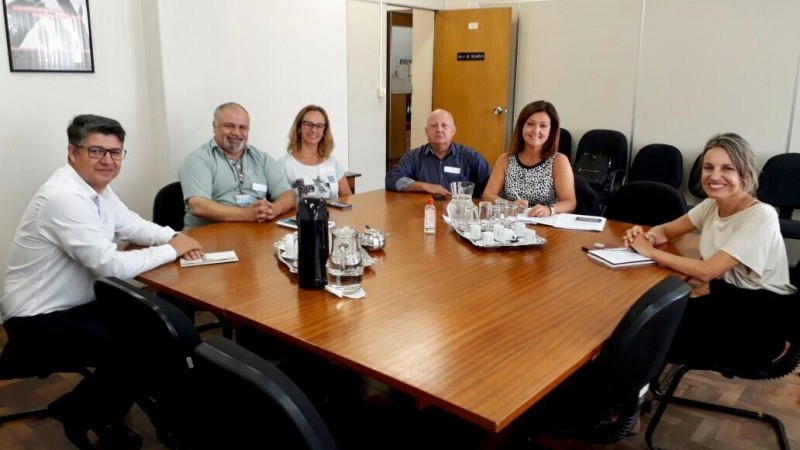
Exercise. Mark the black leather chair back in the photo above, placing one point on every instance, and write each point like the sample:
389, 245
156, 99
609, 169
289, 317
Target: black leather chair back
658, 162
250, 400
611, 145
565, 143
611, 385
695, 184
168, 207
647, 203
779, 183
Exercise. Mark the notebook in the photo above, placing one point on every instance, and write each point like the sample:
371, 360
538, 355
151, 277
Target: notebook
211, 258
616, 258
565, 221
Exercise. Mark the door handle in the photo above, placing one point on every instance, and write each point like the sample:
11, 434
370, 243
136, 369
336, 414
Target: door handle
499, 110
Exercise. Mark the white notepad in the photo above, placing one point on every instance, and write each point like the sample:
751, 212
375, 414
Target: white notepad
619, 257
211, 258
566, 221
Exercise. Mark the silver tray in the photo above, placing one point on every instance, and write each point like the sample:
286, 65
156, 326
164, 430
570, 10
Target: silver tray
291, 263
516, 242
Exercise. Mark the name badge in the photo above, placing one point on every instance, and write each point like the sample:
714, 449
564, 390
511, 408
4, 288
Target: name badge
244, 200
451, 169
258, 187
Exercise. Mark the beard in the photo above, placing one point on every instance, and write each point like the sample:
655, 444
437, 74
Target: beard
234, 148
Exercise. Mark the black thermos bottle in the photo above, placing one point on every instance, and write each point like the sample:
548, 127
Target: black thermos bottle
312, 242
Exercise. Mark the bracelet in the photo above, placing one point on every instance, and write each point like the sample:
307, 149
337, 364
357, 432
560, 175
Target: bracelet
174, 235
649, 235
552, 210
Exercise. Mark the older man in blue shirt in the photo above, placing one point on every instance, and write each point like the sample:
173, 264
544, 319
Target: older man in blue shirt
432, 167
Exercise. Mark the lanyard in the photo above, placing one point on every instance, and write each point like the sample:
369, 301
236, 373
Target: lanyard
237, 167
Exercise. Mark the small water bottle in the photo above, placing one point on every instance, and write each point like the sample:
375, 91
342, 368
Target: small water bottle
429, 223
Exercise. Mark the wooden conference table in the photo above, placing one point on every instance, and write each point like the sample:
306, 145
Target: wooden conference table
482, 334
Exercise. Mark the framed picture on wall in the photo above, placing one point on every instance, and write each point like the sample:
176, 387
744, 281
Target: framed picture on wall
48, 35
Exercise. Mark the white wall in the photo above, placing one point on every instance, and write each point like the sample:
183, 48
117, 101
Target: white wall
581, 56
731, 67
366, 62
35, 109
676, 72
273, 57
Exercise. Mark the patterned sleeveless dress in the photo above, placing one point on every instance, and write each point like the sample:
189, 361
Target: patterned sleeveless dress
532, 183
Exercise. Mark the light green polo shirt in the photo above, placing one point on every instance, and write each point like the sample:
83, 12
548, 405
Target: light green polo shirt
207, 173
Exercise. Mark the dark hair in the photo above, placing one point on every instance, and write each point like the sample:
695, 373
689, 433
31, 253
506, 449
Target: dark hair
325, 146
85, 124
518, 142
742, 157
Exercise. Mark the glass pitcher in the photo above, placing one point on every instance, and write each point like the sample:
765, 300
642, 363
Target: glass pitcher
344, 263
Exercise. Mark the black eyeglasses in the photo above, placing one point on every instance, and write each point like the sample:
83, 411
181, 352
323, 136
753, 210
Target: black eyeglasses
97, 152
309, 125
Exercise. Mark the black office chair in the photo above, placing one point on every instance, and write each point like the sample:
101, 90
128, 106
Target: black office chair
588, 200
695, 183
158, 339
206, 395
600, 403
779, 185
250, 401
782, 359
169, 207
657, 162
169, 210
602, 158
565, 143
647, 203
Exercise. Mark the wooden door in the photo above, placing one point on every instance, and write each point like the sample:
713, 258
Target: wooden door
471, 75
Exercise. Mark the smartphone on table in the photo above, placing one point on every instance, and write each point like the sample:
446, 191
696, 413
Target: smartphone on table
339, 205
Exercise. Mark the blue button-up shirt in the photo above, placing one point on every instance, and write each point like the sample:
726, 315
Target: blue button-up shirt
421, 164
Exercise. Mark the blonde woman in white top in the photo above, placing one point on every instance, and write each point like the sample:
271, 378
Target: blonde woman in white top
742, 289
309, 166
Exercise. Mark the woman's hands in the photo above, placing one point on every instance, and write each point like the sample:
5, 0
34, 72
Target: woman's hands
636, 238
540, 211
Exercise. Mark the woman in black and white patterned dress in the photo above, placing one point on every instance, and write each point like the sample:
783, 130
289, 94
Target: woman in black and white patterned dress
532, 173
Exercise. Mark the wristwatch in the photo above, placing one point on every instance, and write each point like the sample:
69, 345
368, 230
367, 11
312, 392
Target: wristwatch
552, 210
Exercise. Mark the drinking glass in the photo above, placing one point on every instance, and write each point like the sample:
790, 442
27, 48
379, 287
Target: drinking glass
495, 212
511, 210
483, 210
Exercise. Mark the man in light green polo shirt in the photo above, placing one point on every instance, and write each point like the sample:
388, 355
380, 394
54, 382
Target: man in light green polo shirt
227, 180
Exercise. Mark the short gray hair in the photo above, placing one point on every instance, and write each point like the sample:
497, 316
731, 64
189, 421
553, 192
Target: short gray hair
225, 105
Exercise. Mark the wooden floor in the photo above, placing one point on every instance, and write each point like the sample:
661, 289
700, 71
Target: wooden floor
681, 428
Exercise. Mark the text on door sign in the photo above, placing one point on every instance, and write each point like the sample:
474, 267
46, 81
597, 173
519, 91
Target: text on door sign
470, 56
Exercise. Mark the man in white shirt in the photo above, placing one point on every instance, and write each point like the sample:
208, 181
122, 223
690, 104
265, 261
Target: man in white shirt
65, 240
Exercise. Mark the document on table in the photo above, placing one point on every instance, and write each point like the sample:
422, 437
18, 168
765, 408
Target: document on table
211, 258
566, 221
619, 257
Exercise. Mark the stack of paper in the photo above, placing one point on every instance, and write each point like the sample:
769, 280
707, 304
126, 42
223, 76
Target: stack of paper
566, 221
619, 257
211, 258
